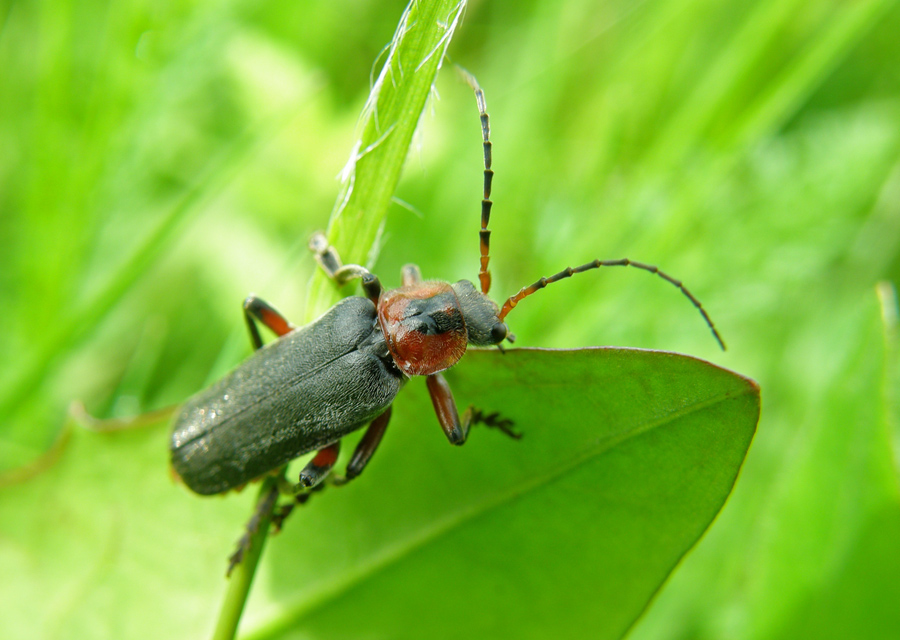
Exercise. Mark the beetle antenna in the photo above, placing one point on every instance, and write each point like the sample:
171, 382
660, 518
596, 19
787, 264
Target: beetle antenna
484, 275
510, 304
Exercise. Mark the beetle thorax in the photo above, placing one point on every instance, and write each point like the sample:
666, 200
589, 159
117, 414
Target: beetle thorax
424, 327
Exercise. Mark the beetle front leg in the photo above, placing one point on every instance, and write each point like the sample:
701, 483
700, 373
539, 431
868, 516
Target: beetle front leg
476, 416
410, 274
258, 310
326, 256
330, 262
445, 407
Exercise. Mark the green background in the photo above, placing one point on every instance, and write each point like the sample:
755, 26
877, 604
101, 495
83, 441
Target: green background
159, 161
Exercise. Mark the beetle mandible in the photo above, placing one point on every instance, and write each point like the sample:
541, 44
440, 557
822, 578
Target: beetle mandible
315, 384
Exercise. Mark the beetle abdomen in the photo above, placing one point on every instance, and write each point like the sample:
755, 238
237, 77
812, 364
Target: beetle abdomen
297, 394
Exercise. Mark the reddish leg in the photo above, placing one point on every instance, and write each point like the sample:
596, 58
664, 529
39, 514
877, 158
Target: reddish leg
361, 456
319, 467
258, 310
366, 447
445, 407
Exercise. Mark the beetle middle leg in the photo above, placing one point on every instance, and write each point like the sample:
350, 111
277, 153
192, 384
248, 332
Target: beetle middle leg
317, 466
365, 448
321, 465
310, 480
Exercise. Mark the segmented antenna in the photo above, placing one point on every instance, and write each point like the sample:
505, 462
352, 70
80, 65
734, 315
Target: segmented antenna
484, 275
510, 304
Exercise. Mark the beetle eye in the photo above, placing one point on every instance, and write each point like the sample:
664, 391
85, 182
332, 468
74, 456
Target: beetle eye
499, 332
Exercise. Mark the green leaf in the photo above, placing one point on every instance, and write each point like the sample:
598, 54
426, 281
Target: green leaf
822, 547
626, 456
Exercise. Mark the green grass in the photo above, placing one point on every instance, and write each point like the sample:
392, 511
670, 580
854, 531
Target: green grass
160, 161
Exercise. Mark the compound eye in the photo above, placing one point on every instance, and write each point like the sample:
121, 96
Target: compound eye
499, 332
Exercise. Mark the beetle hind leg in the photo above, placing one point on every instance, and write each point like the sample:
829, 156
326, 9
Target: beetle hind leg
286, 509
263, 509
311, 481
320, 466
314, 472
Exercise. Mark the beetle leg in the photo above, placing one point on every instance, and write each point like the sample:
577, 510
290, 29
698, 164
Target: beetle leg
313, 473
263, 507
445, 407
361, 456
410, 274
370, 284
326, 255
319, 467
258, 310
328, 258
365, 448
285, 510
475, 416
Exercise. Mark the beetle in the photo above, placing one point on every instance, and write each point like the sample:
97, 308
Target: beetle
313, 385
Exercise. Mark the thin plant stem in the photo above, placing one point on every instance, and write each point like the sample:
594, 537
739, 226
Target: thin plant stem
242, 576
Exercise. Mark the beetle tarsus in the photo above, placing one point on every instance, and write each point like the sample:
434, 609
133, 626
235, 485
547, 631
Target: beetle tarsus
330, 262
493, 420
326, 255
410, 275
263, 508
286, 509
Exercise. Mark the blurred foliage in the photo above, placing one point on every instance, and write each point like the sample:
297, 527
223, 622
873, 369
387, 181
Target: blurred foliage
158, 161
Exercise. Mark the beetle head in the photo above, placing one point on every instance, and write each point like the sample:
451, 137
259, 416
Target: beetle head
482, 323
